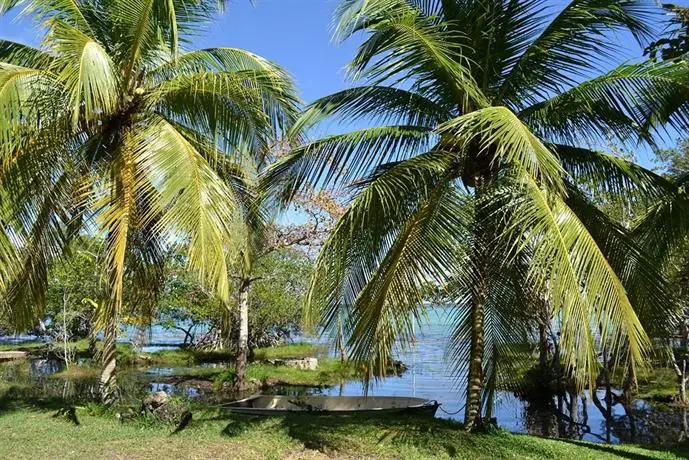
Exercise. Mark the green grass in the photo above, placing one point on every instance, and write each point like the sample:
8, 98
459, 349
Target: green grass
291, 350
35, 434
330, 372
658, 385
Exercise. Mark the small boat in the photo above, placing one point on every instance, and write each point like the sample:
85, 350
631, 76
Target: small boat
332, 405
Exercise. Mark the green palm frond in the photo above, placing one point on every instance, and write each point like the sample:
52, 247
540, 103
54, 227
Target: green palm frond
46, 11
602, 173
667, 217
424, 49
628, 102
87, 73
196, 205
215, 60
572, 44
231, 107
375, 272
499, 129
23, 55
342, 158
647, 288
586, 291
383, 104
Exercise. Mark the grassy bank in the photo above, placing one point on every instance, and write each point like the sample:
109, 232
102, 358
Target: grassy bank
330, 370
36, 434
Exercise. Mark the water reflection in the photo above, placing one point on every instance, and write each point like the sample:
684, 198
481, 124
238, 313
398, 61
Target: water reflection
582, 417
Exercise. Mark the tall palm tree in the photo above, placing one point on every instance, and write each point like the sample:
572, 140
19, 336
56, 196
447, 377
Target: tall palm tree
499, 101
110, 127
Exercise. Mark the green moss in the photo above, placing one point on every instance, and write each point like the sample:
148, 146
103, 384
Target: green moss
35, 434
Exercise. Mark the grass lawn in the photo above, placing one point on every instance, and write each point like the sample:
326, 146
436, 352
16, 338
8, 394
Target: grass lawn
35, 434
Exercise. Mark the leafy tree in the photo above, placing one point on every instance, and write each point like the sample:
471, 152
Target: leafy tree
485, 113
279, 296
184, 304
264, 236
675, 43
111, 127
76, 284
674, 161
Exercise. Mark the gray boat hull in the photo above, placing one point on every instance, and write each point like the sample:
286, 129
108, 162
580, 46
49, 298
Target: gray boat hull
267, 405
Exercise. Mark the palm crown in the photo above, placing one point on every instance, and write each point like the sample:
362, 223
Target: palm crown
479, 174
111, 128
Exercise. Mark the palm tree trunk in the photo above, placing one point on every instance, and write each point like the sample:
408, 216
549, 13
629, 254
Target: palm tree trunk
472, 414
475, 378
225, 327
340, 340
108, 378
243, 344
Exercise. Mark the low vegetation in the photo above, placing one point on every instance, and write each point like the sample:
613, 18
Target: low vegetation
31, 433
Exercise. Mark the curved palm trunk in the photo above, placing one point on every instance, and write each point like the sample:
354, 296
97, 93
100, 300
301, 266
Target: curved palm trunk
243, 343
108, 378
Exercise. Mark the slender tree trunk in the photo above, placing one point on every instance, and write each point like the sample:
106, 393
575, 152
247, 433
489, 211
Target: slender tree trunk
243, 343
472, 414
608, 398
225, 327
573, 411
340, 340
65, 300
93, 340
108, 378
480, 261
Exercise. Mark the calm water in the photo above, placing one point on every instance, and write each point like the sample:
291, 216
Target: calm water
428, 376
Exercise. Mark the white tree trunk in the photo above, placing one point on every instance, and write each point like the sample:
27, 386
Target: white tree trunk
243, 343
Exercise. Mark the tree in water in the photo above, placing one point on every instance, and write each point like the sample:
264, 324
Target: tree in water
484, 114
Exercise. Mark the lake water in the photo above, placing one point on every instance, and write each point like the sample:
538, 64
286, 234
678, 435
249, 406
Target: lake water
429, 377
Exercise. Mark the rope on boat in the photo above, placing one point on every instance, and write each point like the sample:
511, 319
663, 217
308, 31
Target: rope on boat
440, 406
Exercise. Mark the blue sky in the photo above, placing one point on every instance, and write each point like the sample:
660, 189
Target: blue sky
294, 33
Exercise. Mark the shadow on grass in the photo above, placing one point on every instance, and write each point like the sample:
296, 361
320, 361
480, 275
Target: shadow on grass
16, 398
681, 450
427, 437
239, 425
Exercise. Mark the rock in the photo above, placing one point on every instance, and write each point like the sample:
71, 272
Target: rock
13, 355
155, 401
69, 414
309, 364
185, 418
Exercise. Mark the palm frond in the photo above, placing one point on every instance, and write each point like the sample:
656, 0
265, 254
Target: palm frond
402, 43
573, 44
382, 104
338, 160
629, 102
587, 293
499, 129
86, 72
195, 204
601, 173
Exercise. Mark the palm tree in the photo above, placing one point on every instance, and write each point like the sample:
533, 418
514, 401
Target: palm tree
481, 158
110, 128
